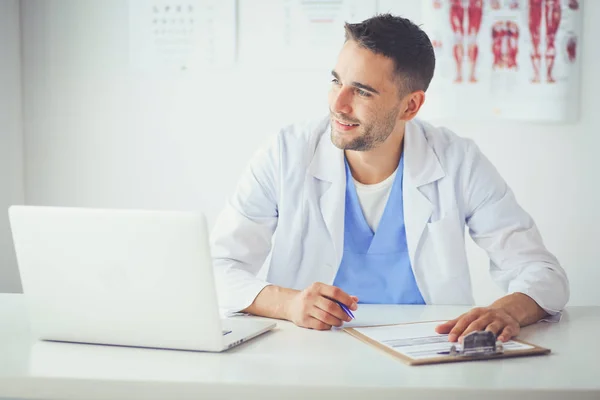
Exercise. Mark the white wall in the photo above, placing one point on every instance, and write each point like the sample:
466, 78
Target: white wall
97, 136
11, 138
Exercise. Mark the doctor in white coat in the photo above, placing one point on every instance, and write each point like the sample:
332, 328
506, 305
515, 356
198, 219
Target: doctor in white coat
371, 205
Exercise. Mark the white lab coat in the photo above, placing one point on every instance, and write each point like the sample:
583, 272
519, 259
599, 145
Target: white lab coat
288, 213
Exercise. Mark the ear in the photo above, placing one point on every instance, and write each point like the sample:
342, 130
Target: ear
411, 104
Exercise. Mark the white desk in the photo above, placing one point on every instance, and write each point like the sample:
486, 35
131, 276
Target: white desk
294, 363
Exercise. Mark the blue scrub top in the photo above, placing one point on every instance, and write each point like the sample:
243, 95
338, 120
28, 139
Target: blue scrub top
375, 266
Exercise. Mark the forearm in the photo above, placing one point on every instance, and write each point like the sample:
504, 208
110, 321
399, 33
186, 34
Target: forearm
272, 302
521, 307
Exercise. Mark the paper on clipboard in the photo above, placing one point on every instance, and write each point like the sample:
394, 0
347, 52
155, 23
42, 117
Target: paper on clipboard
418, 343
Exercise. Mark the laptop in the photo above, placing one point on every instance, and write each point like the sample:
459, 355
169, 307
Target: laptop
123, 277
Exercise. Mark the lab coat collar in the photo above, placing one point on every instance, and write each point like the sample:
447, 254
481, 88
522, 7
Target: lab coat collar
421, 164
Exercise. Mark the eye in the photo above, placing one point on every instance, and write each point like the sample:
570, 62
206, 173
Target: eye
335, 81
363, 93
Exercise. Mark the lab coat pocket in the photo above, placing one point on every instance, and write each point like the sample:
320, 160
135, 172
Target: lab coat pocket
448, 242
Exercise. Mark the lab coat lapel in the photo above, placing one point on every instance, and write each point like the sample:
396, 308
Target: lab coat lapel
421, 168
328, 170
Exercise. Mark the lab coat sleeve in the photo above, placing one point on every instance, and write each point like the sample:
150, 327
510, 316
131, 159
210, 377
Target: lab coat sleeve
242, 234
519, 261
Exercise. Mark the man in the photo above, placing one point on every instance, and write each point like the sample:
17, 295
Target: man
370, 205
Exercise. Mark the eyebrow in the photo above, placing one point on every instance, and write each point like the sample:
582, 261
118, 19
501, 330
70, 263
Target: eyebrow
356, 84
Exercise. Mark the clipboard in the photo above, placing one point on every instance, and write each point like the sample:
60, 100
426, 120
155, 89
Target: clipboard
513, 348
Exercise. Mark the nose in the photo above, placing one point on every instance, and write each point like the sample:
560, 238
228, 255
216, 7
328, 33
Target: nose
341, 101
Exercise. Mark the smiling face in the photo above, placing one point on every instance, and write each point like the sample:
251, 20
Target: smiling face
364, 100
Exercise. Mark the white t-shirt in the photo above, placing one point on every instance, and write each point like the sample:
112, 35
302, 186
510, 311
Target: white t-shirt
373, 198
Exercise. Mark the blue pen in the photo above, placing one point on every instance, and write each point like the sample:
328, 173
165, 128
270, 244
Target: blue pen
346, 309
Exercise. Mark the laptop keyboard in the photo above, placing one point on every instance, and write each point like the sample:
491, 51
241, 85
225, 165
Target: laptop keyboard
226, 332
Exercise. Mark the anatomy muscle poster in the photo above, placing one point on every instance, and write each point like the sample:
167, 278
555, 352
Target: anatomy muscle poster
507, 59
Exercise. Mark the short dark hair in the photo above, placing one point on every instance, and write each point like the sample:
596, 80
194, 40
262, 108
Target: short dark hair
401, 40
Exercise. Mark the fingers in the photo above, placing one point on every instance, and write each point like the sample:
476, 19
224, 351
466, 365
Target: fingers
337, 294
479, 319
314, 323
480, 324
446, 326
332, 308
496, 327
325, 317
313, 309
463, 322
509, 332
310, 322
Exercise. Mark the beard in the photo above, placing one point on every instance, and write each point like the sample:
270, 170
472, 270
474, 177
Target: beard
367, 136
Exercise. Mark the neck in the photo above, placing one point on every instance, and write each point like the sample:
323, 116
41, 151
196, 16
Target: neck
375, 165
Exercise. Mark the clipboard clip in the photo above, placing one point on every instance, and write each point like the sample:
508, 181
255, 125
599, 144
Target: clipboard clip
478, 343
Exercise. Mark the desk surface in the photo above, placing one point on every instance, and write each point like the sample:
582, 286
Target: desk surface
295, 363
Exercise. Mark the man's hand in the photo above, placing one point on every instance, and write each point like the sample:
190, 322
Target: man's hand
504, 317
315, 308
481, 319
311, 308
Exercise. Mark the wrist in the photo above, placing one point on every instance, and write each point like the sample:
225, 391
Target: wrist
521, 308
283, 302
273, 302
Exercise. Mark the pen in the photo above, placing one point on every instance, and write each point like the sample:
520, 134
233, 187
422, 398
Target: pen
346, 309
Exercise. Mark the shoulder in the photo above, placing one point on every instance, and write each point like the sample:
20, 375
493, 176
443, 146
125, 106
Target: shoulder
451, 149
291, 142
303, 134
297, 142
446, 143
